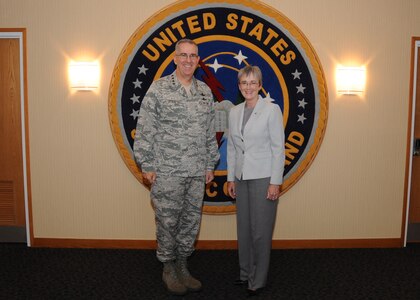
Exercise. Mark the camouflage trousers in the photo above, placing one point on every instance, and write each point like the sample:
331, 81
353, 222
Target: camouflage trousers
177, 202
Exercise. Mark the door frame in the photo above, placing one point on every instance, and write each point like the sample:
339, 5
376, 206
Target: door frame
415, 46
20, 34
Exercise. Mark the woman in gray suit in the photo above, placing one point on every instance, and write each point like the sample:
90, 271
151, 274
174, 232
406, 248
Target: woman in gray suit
255, 163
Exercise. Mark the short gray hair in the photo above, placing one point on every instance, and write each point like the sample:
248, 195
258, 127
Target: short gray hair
248, 70
185, 41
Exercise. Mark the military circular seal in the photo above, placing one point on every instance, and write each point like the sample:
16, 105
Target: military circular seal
230, 34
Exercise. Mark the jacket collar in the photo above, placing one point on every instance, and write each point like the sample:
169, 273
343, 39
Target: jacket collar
255, 113
176, 84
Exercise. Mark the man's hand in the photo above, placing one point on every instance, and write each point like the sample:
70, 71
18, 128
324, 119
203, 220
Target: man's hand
209, 176
149, 177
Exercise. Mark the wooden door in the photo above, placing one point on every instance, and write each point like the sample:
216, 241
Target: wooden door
413, 230
12, 189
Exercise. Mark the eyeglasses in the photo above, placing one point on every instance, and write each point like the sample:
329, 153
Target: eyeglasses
185, 56
249, 83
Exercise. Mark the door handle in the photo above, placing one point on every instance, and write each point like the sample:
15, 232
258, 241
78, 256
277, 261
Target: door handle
416, 150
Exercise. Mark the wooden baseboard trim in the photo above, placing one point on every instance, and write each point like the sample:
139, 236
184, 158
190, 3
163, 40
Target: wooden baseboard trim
348, 243
217, 245
82, 243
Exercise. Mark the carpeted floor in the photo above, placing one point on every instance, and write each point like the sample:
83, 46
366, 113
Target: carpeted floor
44, 273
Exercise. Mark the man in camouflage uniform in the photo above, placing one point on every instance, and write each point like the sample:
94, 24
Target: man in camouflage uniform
176, 149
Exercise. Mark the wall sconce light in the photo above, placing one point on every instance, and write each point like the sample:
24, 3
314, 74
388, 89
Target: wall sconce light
84, 76
351, 80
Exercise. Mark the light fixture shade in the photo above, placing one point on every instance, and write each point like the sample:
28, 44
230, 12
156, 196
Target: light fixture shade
84, 75
351, 80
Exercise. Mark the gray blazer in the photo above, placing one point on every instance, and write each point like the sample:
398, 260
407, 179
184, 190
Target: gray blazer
259, 152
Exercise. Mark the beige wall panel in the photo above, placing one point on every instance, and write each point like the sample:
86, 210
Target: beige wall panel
81, 187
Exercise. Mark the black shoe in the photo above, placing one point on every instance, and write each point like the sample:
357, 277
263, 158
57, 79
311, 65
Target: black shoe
252, 293
240, 282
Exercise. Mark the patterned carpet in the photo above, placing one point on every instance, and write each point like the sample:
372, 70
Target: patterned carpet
44, 273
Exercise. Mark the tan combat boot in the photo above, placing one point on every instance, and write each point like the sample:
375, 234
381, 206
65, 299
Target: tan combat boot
185, 277
171, 280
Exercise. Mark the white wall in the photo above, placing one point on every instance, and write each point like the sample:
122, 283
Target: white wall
82, 189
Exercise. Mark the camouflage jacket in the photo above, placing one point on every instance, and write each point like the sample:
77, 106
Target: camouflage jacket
175, 132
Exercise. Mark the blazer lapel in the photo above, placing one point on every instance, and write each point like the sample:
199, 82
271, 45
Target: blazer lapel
254, 116
241, 118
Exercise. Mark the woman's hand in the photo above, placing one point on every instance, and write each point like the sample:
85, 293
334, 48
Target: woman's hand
231, 189
273, 192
